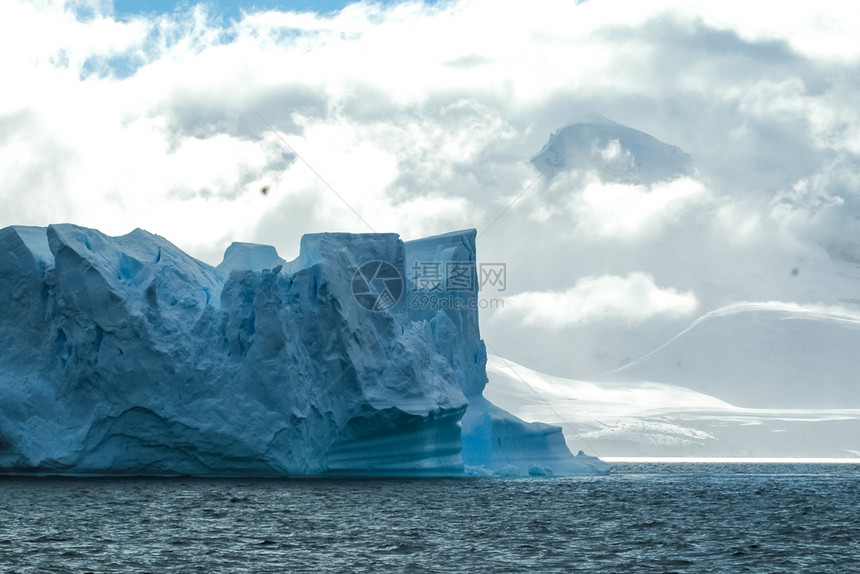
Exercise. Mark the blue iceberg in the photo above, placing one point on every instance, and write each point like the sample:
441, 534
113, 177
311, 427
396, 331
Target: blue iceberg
124, 355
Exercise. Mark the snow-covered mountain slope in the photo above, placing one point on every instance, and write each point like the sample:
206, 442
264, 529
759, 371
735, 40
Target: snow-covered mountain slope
761, 354
616, 152
715, 245
125, 355
642, 418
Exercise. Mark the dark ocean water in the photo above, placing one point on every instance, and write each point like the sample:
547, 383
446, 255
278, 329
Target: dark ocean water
642, 518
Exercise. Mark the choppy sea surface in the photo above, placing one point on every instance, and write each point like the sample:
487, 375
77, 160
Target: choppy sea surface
641, 518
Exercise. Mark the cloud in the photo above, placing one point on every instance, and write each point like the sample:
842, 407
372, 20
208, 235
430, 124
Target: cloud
631, 299
423, 118
625, 211
628, 211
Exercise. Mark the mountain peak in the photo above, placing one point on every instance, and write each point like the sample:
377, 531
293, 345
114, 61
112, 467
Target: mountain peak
616, 152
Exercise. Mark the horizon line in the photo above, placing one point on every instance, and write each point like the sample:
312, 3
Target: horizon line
731, 460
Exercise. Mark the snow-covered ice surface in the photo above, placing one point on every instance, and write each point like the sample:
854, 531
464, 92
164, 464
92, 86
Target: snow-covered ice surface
125, 355
771, 354
791, 358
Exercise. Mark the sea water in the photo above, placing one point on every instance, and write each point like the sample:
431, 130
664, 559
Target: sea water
641, 518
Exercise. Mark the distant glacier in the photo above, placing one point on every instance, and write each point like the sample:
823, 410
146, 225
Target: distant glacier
124, 355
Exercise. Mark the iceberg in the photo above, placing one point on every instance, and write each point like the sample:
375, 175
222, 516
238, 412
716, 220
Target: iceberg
124, 355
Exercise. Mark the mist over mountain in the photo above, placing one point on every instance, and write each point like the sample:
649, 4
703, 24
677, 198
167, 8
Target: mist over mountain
616, 153
698, 334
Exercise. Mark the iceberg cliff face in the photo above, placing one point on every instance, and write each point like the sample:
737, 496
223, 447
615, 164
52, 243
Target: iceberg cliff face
125, 355
493, 440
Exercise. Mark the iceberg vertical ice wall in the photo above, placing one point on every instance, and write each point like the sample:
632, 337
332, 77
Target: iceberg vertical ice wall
125, 355
493, 440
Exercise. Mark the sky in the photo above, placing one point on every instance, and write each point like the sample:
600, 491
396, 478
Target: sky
226, 10
422, 118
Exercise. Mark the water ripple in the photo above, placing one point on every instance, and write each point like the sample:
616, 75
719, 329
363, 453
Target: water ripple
642, 518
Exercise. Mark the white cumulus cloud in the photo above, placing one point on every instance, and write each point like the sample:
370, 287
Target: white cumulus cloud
631, 299
630, 211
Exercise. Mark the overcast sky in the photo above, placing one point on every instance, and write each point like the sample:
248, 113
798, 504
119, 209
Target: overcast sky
423, 118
